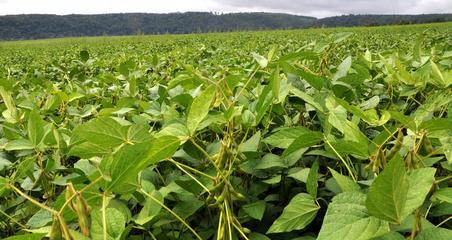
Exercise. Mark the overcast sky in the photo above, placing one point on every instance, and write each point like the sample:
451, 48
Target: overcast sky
316, 8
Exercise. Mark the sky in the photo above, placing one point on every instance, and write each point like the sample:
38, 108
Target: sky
315, 8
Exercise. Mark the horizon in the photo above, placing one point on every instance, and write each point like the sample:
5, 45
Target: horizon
225, 13
318, 9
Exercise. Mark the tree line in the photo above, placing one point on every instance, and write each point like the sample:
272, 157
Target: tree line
36, 26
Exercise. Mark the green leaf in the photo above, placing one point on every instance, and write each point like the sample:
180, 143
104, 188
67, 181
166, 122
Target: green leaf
343, 68
11, 114
307, 98
104, 132
255, 210
301, 210
344, 147
387, 195
150, 208
299, 174
262, 61
317, 82
199, 109
35, 128
420, 182
263, 104
284, 137
102, 135
446, 142
345, 183
3, 183
115, 224
337, 117
275, 82
84, 55
132, 159
252, 144
19, 144
435, 233
33, 236
258, 236
311, 182
390, 236
304, 140
348, 218
443, 194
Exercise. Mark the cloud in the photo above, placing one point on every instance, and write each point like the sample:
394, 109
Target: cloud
335, 7
317, 8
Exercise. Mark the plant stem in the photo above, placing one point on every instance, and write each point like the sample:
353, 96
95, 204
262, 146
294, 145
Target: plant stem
441, 223
190, 168
172, 213
342, 159
191, 176
35, 202
104, 216
13, 220
78, 192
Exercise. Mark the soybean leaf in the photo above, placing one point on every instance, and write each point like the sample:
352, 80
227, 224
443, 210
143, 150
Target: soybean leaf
317, 82
343, 68
443, 194
300, 211
263, 103
3, 183
104, 132
102, 135
35, 128
390, 236
115, 224
435, 233
11, 114
200, 108
262, 61
84, 55
306, 139
307, 98
311, 182
387, 195
252, 144
255, 210
130, 160
275, 82
348, 218
258, 236
420, 182
284, 137
150, 208
19, 144
32, 236
345, 183
446, 142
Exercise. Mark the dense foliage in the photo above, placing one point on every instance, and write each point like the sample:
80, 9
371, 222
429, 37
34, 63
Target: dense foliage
326, 134
36, 26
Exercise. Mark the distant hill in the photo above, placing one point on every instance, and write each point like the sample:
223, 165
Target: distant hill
36, 26
378, 20
49, 26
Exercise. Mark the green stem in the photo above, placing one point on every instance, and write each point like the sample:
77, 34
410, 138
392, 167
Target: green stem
172, 213
13, 220
104, 216
35, 202
191, 176
441, 223
342, 159
78, 192
190, 168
